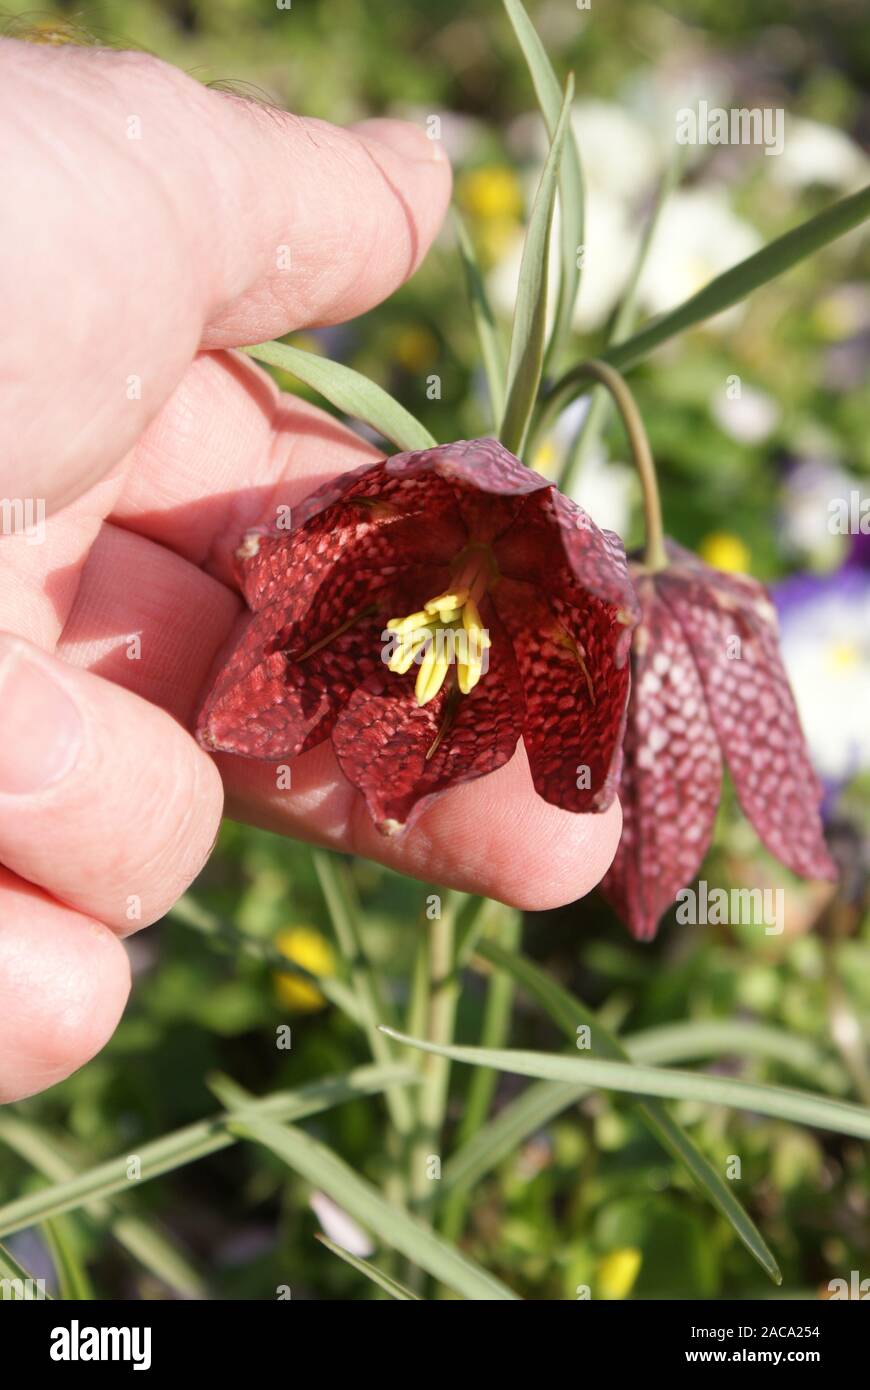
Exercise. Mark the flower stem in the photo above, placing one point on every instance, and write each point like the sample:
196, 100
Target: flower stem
655, 557
442, 998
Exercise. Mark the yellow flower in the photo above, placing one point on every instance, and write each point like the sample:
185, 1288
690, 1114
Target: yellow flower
725, 551
617, 1272
492, 191
546, 459
415, 348
306, 947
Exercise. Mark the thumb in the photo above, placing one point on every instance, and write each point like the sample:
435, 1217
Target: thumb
155, 217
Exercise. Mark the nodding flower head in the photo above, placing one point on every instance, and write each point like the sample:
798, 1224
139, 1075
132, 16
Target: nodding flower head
707, 684
425, 613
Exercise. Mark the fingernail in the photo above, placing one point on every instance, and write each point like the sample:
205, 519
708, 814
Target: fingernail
40, 727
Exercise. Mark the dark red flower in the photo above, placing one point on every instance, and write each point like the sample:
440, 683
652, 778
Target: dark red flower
538, 595
707, 683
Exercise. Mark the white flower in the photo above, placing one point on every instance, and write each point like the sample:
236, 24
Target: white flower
750, 418
818, 153
340, 1227
698, 237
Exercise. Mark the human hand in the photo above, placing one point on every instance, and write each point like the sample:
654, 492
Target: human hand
141, 243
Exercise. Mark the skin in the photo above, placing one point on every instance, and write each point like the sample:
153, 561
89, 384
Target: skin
151, 258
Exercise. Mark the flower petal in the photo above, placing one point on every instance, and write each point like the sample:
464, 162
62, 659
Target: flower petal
382, 736
489, 483
286, 682
753, 711
671, 775
575, 693
380, 518
556, 545
266, 705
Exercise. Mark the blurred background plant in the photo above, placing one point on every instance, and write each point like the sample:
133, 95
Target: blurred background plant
747, 474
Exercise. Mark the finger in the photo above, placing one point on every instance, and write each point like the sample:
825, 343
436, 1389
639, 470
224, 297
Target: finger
225, 452
64, 980
495, 836
170, 216
131, 804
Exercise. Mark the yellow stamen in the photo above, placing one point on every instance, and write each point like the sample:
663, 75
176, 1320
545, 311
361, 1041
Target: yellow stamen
477, 633
445, 602
406, 654
432, 673
447, 631
468, 673
414, 620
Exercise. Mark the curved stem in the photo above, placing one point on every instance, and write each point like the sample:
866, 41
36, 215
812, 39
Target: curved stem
655, 557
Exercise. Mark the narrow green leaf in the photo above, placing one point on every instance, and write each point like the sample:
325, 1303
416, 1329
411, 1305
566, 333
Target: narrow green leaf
529, 1112
72, 1281
195, 1141
14, 1279
691, 1041
526, 360
367, 986
537, 1105
370, 1271
143, 1240
567, 1011
481, 1088
779, 1102
391, 1224
729, 288
349, 391
489, 340
571, 195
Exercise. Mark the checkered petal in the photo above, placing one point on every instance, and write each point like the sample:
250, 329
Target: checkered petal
671, 776
732, 630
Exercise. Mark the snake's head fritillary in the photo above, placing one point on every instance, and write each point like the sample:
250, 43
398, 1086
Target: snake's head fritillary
425, 613
707, 684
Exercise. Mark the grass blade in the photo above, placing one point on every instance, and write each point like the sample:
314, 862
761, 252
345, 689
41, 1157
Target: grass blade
571, 194
729, 288
14, 1279
195, 1141
568, 1012
779, 1102
541, 1101
361, 1200
526, 359
141, 1240
489, 341
687, 1042
367, 988
537, 1105
72, 1281
377, 1276
481, 1089
349, 391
